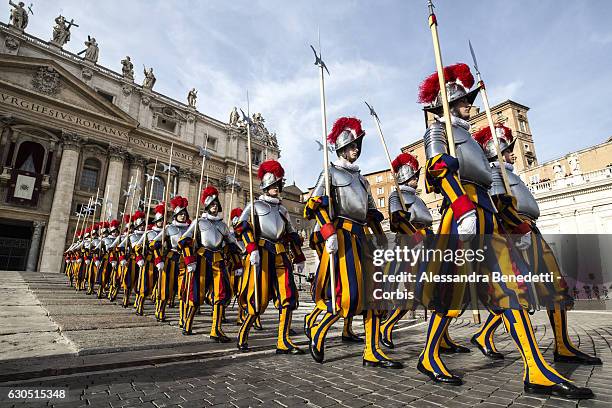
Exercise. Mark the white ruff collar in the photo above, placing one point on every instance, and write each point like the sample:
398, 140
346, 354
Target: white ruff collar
179, 224
268, 199
345, 164
212, 217
456, 122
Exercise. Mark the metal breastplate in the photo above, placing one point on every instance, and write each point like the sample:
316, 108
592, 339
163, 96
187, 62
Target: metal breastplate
420, 216
473, 164
108, 241
135, 237
349, 195
497, 184
175, 232
271, 224
525, 201
212, 233
151, 234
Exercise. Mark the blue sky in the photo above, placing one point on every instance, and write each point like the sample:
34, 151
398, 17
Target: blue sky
555, 57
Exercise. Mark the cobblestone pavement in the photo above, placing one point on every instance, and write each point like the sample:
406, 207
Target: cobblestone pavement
258, 379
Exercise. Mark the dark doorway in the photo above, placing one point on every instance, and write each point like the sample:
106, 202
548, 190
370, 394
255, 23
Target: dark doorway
15, 239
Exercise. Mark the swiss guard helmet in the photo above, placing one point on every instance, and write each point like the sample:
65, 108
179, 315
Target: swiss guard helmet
344, 132
485, 140
271, 172
405, 167
459, 80
210, 195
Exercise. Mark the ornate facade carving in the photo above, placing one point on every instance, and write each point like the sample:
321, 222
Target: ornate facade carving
47, 81
137, 160
116, 153
11, 44
87, 73
71, 140
127, 90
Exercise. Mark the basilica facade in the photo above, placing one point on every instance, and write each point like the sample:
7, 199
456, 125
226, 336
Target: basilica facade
71, 129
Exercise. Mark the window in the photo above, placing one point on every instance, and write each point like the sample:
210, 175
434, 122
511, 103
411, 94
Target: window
256, 156
158, 189
89, 174
381, 202
380, 190
379, 179
211, 143
166, 124
526, 147
523, 126
30, 157
106, 95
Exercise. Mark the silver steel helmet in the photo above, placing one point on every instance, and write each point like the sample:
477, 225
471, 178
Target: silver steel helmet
489, 148
454, 92
269, 179
235, 220
406, 172
138, 222
346, 137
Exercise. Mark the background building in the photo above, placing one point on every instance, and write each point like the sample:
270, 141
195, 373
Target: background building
70, 128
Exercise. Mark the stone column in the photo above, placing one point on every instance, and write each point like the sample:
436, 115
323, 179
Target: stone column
114, 176
184, 184
137, 170
34, 246
55, 238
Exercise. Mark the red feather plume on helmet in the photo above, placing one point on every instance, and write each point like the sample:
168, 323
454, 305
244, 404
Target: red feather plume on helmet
430, 87
236, 212
138, 214
95, 227
207, 192
87, 230
271, 166
105, 224
114, 224
343, 124
126, 218
179, 201
403, 159
160, 208
484, 135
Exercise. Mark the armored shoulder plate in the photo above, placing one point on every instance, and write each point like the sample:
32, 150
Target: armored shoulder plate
151, 234
108, 240
473, 164
204, 224
135, 237
420, 216
395, 204
435, 140
497, 184
262, 208
340, 177
172, 229
525, 201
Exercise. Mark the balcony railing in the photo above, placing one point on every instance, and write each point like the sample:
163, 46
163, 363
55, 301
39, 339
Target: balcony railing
571, 180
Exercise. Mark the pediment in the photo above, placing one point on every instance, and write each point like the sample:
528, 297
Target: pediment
45, 79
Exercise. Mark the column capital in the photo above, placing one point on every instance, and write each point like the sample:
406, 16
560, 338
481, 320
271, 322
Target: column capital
137, 160
116, 153
185, 174
71, 140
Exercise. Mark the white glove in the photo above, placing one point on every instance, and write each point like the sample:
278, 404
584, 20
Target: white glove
97, 263
466, 226
331, 244
239, 272
255, 258
123, 262
524, 242
191, 267
160, 266
140, 263
299, 267
87, 261
113, 263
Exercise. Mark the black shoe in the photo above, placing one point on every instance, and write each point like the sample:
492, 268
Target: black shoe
293, 350
563, 390
140, 313
306, 328
187, 333
578, 359
243, 347
221, 339
351, 338
317, 355
388, 343
383, 364
487, 352
454, 348
258, 327
439, 377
